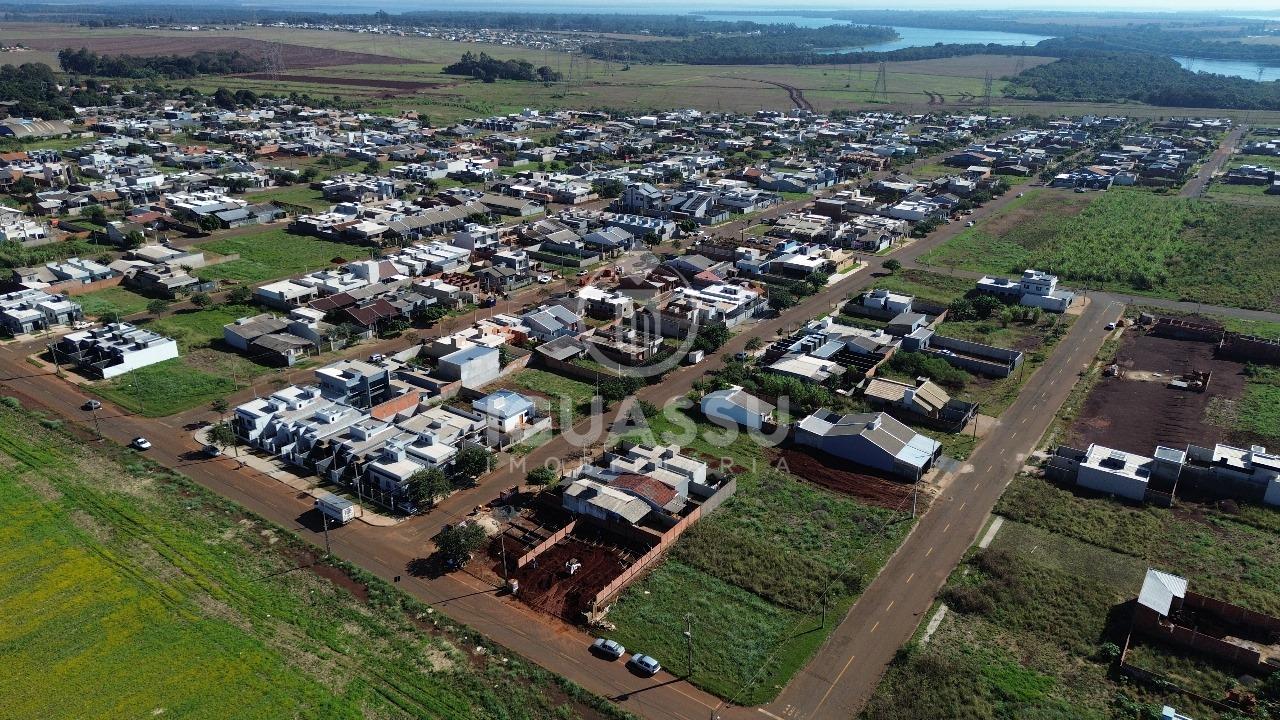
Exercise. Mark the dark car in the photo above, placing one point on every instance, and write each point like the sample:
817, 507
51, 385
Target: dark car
91, 405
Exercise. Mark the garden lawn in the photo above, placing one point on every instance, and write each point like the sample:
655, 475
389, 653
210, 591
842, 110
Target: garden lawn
934, 287
1133, 241
273, 253
112, 301
130, 592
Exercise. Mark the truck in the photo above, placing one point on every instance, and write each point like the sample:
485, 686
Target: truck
337, 509
694, 357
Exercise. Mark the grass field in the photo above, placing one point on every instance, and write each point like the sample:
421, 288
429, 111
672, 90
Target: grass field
1131, 241
299, 194
754, 572
199, 328
165, 388
131, 592
112, 301
567, 398
1029, 622
273, 253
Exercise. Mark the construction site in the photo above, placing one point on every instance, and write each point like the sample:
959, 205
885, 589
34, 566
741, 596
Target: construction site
828, 473
1160, 390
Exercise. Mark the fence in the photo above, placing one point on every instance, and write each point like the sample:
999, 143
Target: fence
978, 358
541, 547
642, 564
1162, 681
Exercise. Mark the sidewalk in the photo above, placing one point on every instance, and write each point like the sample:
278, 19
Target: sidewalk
278, 470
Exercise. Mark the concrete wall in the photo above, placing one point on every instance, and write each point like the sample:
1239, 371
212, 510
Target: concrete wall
978, 358
541, 547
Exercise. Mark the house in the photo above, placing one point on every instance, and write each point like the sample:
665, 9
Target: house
510, 418
552, 321
923, 401
737, 406
502, 279
887, 301
1034, 289
473, 367
280, 349
1116, 472
245, 330
113, 349
596, 500
874, 440
26, 311
285, 294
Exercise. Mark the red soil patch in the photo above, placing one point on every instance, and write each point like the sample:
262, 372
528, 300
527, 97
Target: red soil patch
1137, 415
547, 586
342, 580
291, 56
870, 489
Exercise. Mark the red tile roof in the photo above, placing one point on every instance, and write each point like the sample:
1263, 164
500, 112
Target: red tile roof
646, 487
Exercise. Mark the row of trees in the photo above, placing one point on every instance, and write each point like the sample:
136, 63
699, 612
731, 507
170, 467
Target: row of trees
490, 69
219, 62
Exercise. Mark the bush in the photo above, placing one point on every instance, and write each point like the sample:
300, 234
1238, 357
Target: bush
921, 365
969, 600
542, 475
11, 402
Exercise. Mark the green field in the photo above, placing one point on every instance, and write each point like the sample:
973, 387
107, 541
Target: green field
273, 253
564, 395
1258, 412
299, 194
112, 301
1132, 241
1030, 622
754, 572
199, 328
130, 592
165, 388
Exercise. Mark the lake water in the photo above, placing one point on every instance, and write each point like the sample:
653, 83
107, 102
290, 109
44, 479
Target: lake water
1234, 68
907, 36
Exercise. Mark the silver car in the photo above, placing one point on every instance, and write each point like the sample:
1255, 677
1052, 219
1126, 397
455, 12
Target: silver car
644, 664
611, 649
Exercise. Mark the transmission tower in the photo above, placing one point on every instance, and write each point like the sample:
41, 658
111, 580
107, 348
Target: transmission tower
1019, 66
986, 94
881, 89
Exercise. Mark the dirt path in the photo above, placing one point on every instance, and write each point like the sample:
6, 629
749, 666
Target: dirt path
793, 92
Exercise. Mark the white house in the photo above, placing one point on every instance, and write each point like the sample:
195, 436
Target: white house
737, 406
114, 349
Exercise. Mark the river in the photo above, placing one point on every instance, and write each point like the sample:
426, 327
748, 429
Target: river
1234, 68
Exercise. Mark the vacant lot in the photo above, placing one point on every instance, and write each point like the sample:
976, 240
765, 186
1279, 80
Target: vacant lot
200, 328
167, 601
1132, 241
754, 573
1031, 620
564, 398
273, 253
165, 388
112, 301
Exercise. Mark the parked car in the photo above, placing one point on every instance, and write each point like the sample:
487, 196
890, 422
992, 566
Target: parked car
740, 356
140, 443
1021, 194
969, 224
212, 451
611, 649
377, 357
544, 279
582, 273
644, 664
92, 405
1111, 326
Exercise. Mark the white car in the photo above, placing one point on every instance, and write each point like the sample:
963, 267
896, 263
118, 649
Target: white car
140, 443
1111, 326
969, 224
544, 279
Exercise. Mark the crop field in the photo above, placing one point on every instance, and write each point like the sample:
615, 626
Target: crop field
1133, 241
754, 572
1030, 620
273, 253
131, 592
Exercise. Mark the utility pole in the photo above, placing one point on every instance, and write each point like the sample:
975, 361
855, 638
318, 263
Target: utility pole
688, 636
328, 549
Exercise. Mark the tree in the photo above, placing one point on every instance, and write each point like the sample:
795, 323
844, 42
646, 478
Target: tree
893, 265
613, 389
712, 337
134, 240
209, 223
157, 306
223, 98
473, 461
781, 298
542, 475
240, 295
457, 543
373, 167
201, 300
95, 214
754, 343
222, 436
428, 485
429, 314
220, 407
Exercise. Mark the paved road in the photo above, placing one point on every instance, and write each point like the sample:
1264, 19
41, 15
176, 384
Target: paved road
843, 675
1195, 187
